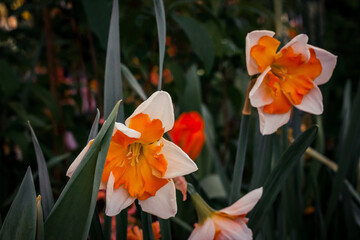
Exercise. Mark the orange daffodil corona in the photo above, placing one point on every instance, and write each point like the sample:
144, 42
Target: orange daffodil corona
287, 78
140, 163
225, 224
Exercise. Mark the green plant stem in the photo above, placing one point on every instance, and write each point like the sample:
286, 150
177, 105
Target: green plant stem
146, 226
165, 229
240, 159
121, 224
107, 227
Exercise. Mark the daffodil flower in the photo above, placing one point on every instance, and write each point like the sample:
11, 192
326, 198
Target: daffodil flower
228, 223
287, 78
140, 163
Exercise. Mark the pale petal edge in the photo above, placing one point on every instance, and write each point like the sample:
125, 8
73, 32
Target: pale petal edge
252, 39
312, 102
163, 204
157, 106
270, 123
205, 231
78, 159
258, 94
179, 163
125, 130
299, 45
328, 63
244, 204
116, 199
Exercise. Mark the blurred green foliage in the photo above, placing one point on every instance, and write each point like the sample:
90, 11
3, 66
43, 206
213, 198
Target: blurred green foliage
52, 66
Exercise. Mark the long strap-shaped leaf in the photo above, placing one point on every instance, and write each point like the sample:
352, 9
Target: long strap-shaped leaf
275, 181
73, 211
161, 27
113, 81
47, 200
20, 222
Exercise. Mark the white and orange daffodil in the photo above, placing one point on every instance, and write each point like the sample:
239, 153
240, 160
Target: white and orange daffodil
226, 224
287, 78
140, 163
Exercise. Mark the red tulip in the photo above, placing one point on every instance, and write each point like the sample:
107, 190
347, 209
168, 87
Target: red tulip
188, 133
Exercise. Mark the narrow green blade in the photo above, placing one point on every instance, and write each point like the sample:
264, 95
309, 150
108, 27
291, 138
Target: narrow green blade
161, 27
133, 82
20, 222
113, 82
73, 211
275, 181
44, 180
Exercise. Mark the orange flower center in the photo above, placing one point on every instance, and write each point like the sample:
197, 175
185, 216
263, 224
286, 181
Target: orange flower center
290, 77
137, 163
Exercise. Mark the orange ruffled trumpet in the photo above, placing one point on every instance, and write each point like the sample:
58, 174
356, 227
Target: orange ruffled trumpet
287, 78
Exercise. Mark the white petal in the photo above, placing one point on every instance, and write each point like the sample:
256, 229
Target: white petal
179, 163
78, 159
258, 95
312, 102
251, 40
230, 229
204, 232
116, 199
328, 62
299, 45
269, 123
163, 204
125, 130
157, 106
102, 185
244, 204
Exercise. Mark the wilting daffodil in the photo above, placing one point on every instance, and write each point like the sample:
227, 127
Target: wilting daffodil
228, 223
140, 163
287, 78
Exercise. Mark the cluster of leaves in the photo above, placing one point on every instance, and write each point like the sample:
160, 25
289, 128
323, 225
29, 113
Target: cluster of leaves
205, 56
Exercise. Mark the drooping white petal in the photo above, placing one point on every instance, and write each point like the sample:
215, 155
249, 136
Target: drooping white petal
163, 204
230, 229
78, 159
252, 39
269, 123
299, 45
116, 199
179, 163
204, 232
244, 204
312, 102
157, 106
328, 62
258, 95
125, 130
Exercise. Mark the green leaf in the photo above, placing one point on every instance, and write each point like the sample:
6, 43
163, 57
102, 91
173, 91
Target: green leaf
348, 158
113, 82
71, 216
9, 81
133, 82
213, 186
275, 181
199, 38
98, 15
20, 222
192, 91
44, 180
94, 127
161, 27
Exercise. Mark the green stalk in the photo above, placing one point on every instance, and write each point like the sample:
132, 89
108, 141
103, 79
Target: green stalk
165, 229
241, 147
146, 226
121, 224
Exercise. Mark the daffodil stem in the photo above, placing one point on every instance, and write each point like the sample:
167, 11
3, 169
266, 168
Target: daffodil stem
203, 210
121, 224
241, 146
146, 226
107, 227
240, 159
165, 228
